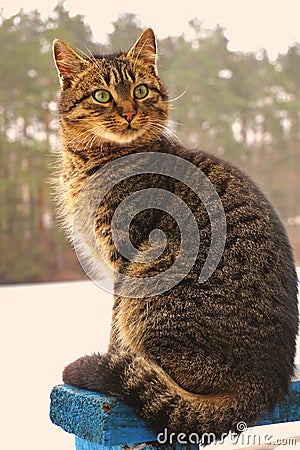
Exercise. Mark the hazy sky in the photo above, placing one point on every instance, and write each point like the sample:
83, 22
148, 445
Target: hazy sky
250, 24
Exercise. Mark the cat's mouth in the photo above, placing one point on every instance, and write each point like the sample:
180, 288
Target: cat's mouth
130, 133
125, 134
131, 130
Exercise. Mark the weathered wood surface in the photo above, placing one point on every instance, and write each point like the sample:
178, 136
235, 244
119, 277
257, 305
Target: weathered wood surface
100, 421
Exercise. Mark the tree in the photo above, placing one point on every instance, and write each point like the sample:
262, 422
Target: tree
126, 31
31, 245
237, 105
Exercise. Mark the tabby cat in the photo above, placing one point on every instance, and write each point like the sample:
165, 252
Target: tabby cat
199, 357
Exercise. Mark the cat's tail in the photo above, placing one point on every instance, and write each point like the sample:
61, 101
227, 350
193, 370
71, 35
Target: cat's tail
167, 407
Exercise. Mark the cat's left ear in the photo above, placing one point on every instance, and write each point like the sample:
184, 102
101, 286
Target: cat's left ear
68, 62
145, 48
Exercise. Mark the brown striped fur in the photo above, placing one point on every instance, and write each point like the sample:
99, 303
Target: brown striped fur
198, 358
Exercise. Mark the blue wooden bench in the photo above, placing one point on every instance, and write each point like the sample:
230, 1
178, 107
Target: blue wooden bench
103, 422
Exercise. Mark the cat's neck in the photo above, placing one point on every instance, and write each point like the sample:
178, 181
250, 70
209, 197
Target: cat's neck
98, 156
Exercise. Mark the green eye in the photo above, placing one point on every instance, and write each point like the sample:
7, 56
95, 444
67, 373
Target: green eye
140, 91
102, 96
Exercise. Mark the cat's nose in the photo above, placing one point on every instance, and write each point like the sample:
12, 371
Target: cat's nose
129, 115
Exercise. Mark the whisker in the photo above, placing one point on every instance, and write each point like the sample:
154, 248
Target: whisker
79, 139
91, 57
172, 123
179, 96
89, 54
166, 131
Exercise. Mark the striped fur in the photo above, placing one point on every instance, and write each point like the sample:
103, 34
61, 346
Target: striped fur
198, 358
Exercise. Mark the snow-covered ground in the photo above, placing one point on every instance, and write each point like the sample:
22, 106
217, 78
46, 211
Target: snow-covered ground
43, 327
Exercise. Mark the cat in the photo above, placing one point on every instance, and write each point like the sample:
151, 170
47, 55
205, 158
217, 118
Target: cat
198, 357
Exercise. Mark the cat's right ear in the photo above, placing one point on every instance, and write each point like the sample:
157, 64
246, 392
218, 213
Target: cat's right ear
145, 48
67, 61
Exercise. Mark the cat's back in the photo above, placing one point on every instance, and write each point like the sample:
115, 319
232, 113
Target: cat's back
257, 248
240, 321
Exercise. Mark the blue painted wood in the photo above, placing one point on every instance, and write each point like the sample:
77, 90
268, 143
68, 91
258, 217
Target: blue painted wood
101, 419
101, 422
286, 411
82, 444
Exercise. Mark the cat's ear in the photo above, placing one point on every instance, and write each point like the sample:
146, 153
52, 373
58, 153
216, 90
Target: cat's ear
145, 48
68, 62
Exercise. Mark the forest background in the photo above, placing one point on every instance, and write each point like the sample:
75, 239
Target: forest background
243, 107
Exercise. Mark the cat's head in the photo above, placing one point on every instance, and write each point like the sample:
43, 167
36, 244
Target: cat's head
115, 98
